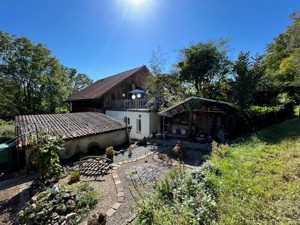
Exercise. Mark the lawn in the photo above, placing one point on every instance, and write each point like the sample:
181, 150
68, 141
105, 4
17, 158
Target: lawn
260, 181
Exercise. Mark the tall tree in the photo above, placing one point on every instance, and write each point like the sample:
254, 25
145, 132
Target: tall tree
32, 80
203, 64
282, 59
247, 75
77, 81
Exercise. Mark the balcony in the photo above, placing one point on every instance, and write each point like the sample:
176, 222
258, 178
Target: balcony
128, 104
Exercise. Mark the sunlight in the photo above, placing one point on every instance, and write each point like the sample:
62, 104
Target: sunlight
136, 9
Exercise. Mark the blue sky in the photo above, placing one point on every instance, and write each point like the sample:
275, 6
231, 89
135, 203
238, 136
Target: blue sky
105, 37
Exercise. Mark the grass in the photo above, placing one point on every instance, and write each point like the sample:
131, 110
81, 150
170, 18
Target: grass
260, 182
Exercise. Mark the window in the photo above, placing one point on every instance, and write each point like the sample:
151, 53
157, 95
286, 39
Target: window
138, 125
128, 120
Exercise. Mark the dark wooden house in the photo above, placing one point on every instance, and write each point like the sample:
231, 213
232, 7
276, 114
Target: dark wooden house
112, 92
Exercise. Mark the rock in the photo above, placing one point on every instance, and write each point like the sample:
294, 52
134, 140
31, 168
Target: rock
33, 206
65, 195
34, 198
71, 205
71, 216
97, 220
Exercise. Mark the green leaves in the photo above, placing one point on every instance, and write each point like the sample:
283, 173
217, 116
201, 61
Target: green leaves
203, 64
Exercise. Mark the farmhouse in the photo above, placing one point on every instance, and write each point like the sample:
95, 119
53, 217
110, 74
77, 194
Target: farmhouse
122, 97
81, 131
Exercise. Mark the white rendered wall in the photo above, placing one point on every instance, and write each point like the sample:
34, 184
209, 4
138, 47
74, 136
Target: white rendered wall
149, 122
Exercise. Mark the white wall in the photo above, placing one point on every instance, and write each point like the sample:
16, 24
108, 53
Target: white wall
149, 121
79, 145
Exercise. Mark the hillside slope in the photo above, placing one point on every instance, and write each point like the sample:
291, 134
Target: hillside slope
260, 181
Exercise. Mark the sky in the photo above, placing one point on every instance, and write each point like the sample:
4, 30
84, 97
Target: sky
105, 37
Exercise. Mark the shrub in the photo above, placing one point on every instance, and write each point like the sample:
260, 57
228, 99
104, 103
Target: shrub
46, 157
182, 197
110, 152
7, 129
256, 116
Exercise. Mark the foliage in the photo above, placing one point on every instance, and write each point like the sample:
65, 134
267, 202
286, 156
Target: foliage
74, 174
247, 77
257, 116
32, 80
203, 64
260, 177
77, 81
47, 158
163, 89
182, 197
7, 129
110, 152
282, 59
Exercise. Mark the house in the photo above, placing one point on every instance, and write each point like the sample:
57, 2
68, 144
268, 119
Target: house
81, 131
122, 97
198, 118
111, 92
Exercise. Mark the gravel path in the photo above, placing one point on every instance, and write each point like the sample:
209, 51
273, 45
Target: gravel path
125, 213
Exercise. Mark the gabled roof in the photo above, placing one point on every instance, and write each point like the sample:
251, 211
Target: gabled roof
192, 103
100, 87
68, 125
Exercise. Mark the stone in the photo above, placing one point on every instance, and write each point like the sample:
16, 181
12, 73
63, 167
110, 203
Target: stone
120, 194
120, 189
71, 216
34, 198
117, 182
65, 195
110, 212
71, 205
97, 220
115, 176
33, 206
116, 205
121, 199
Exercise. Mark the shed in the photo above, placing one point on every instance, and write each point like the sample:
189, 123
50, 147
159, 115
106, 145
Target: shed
79, 130
198, 118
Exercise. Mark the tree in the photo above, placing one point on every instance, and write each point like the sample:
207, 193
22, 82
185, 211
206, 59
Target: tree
282, 59
203, 64
77, 81
162, 89
247, 77
32, 80
37, 77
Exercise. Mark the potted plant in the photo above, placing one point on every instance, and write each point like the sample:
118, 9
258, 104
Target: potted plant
74, 176
110, 152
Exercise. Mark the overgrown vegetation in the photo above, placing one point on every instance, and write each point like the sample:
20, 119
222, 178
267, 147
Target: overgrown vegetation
261, 116
67, 206
260, 177
182, 197
7, 129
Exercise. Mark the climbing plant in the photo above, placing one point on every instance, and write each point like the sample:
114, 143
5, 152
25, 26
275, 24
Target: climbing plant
47, 159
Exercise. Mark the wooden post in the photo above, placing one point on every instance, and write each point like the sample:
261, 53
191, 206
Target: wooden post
190, 122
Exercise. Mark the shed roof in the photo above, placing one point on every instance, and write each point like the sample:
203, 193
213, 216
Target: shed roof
68, 125
100, 87
192, 103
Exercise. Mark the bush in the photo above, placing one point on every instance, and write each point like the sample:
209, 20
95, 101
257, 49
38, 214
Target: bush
110, 152
257, 117
182, 197
7, 129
